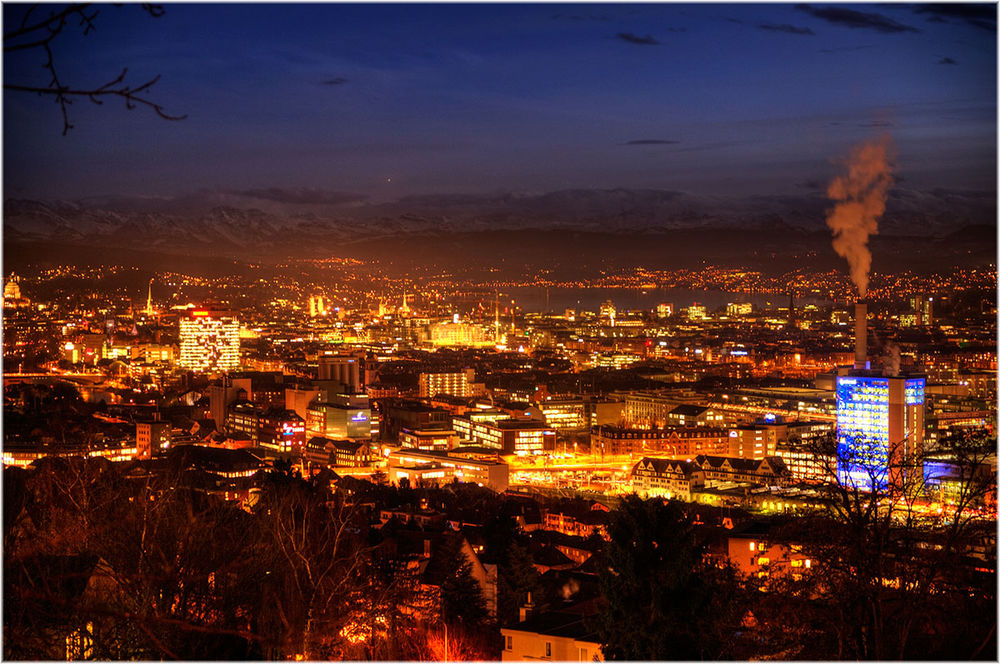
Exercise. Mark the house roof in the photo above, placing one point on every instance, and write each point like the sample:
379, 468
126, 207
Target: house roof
740, 464
688, 410
661, 466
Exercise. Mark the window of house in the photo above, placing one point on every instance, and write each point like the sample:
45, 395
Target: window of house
510, 642
583, 655
548, 649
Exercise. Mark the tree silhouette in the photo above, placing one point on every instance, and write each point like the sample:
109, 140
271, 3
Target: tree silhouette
664, 600
37, 33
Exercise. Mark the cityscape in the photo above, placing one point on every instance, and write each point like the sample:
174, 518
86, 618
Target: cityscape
406, 358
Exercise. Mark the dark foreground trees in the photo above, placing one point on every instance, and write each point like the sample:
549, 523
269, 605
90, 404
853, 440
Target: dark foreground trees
105, 561
665, 599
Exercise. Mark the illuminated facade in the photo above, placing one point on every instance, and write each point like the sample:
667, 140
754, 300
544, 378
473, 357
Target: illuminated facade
317, 306
452, 333
880, 428
521, 437
566, 414
437, 468
456, 384
344, 417
210, 341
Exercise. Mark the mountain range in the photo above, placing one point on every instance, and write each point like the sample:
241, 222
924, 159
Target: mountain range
588, 224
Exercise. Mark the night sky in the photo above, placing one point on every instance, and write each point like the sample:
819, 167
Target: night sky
383, 101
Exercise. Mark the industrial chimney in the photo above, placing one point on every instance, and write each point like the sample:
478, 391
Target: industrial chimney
861, 335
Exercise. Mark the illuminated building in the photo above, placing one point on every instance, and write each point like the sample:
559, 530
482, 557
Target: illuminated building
923, 307
273, 428
454, 333
697, 312
317, 306
647, 409
616, 441
614, 360
341, 453
151, 438
664, 310
770, 471
666, 478
566, 414
753, 442
210, 341
693, 415
420, 467
149, 311
429, 439
738, 309
752, 552
806, 453
12, 298
521, 437
12, 290
474, 424
456, 384
608, 311
340, 417
880, 427
22, 455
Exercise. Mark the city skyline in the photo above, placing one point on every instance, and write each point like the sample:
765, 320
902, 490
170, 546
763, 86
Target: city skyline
500, 332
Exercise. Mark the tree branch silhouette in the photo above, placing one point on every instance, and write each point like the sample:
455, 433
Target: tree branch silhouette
41, 34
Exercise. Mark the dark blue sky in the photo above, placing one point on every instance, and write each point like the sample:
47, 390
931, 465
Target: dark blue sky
390, 100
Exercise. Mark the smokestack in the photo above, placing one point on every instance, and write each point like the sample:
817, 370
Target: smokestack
860, 335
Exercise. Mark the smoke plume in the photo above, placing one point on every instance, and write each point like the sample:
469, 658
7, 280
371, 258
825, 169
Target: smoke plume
891, 360
860, 194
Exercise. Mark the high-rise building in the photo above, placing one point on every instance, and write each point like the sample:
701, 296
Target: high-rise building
880, 428
880, 421
923, 307
210, 341
456, 384
317, 306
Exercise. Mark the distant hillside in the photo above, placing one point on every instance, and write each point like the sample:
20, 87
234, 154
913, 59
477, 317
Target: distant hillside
572, 231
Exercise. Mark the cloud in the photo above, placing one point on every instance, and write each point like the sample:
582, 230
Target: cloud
302, 196
650, 141
339, 80
635, 39
845, 49
854, 19
875, 123
980, 15
947, 61
784, 27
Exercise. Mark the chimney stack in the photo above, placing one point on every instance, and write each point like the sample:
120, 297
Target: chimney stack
526, 609
861, 335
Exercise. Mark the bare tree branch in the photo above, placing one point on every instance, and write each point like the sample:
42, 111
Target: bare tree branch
41, 34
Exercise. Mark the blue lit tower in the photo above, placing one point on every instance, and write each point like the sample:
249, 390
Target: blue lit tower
880, 427
880, 424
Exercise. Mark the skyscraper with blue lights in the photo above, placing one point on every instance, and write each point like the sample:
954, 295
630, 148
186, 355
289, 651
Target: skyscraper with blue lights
880, 428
